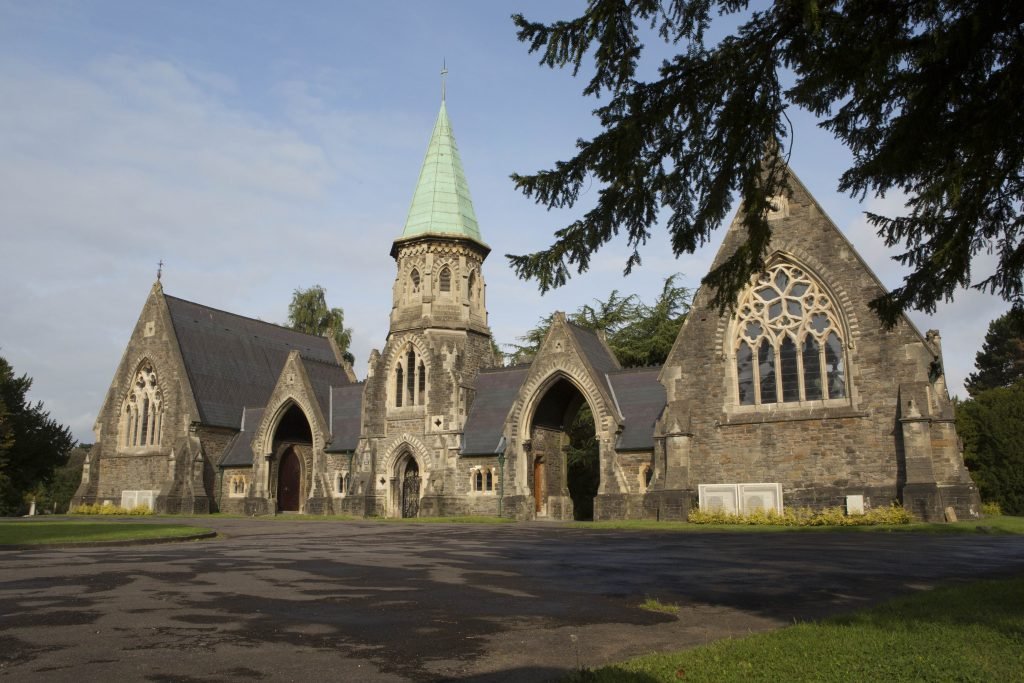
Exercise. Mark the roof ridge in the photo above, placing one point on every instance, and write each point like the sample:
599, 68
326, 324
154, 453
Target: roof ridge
638, 368
318, 361
245, 317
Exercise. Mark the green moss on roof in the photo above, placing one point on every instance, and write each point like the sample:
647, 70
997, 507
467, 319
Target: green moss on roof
441, 205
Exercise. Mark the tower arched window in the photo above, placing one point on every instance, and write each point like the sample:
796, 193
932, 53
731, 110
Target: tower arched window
471, 287
141, 416
410, 379
444, 280
414, 281
421, 373
788, 341
399, 386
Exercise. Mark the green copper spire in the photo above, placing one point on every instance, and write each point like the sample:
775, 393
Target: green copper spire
441, 205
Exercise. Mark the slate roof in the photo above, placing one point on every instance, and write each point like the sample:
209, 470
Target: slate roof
594, 349
239, 453
324, 376
496, 391
641, 398
346, 423
233, 361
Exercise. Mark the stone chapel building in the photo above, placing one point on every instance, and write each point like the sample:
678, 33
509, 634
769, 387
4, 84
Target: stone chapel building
798, 398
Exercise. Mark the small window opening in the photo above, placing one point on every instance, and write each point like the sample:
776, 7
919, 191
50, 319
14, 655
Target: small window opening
445, 280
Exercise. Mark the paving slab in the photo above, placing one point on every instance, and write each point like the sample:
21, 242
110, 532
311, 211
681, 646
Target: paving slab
370, 601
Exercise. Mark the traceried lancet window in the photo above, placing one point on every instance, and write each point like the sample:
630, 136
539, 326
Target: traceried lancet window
141, 421
410, 380
788, 342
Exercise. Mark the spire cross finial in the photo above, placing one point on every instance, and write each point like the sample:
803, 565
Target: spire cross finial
444, 78
159, 270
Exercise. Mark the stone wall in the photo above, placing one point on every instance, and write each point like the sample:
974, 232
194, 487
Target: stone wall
115, 466
822, 450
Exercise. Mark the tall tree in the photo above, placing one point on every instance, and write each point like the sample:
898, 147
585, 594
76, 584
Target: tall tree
925, 93
639, 334
32, 445
308, 312
1000, 363
991, 426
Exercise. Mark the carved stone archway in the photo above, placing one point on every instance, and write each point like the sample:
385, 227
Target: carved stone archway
406, 457
541, 468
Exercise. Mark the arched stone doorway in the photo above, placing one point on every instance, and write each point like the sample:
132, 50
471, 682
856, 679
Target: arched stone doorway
564, 472
408, 483
293, 442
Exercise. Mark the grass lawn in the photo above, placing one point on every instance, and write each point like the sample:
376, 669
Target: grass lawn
989, 525
971, 632
30, 533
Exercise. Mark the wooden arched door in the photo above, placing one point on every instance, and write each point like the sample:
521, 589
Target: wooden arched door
289, 479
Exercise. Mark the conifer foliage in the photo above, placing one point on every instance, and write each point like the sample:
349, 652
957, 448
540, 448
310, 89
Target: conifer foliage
1000, 363
639, 334
925, 93
32, 445
991, 422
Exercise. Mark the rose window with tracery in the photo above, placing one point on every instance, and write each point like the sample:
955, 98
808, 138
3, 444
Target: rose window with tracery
788, 341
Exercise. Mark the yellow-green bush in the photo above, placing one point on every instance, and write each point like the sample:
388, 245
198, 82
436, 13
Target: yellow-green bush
100, 509
992, 509
834, 516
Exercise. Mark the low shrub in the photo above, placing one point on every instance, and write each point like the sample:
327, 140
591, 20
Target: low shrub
834, 516
100, 509
992, 509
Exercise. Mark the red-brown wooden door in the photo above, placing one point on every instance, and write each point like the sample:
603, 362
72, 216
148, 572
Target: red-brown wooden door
538, 485
289, 475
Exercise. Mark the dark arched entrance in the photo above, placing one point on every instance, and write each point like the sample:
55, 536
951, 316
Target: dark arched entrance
410, 483
565, 462
292, 437
289, 482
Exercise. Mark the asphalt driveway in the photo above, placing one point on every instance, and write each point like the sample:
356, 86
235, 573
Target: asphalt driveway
311, 601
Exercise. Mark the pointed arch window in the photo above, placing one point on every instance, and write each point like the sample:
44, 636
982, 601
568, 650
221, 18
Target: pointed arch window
414, 281
399, 386
410, 379
141, 416
790, 324
444, 280
471, 287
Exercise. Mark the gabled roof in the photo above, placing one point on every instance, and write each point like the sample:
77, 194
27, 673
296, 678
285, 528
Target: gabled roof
496, 391
596, 351
641, 398
239, 453
324, 377
233, 361
441, 205
346, 420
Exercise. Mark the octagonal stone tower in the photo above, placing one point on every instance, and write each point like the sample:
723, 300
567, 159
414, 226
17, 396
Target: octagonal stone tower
420, 386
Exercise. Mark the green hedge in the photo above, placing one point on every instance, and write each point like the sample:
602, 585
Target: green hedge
835, 516
99, 509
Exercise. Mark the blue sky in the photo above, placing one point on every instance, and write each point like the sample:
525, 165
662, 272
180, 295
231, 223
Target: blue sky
258, 147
